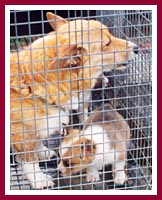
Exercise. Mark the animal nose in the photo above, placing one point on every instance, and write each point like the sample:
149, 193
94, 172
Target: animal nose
60, 173
135, 49
61, 170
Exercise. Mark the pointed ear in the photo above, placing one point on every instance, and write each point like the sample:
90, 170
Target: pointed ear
66, 131
55, 21
82, 52
69, 56
88, 148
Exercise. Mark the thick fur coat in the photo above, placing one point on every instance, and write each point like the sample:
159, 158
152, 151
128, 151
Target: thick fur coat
102, 141
53, 76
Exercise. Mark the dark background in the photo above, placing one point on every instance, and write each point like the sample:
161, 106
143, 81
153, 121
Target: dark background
38, 16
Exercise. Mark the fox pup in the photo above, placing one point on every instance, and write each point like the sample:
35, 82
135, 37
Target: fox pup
102, 141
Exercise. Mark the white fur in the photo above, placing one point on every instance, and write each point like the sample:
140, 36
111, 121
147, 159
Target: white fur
84, 96
120, 175
43, 152
36, 178
53, 122
73, 103
104, 155
92, 174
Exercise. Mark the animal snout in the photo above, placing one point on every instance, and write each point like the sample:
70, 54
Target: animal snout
61, 170
135, 49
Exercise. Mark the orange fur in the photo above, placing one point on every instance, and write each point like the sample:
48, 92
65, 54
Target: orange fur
55, 71
55, 21
33, 63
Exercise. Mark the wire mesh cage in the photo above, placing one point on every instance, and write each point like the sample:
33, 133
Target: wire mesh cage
128, 90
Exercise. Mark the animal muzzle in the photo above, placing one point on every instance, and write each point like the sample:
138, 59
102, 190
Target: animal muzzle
62, 171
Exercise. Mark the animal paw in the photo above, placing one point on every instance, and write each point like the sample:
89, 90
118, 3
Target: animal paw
119, 181
120, 178
92, 177
42, 181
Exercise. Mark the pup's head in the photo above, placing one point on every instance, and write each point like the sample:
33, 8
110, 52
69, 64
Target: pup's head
105, 51
76, 152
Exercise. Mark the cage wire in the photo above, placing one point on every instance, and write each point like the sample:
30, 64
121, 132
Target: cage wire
129, 91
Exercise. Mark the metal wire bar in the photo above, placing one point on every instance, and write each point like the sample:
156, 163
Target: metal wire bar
129, 91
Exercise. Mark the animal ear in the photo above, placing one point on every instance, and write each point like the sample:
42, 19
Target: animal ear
66, 131
55, 21
82, 52
72, 50
62, 63
69, 56
88, 148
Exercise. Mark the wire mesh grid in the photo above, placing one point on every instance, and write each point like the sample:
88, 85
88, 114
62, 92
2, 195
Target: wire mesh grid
127, 90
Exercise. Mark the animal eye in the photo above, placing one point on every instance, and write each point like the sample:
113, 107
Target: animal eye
72, 164
108, 44
66, 163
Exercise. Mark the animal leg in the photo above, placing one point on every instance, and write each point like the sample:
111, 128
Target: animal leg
25, 146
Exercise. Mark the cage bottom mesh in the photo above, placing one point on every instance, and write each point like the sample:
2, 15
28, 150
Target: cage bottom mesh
139, 178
